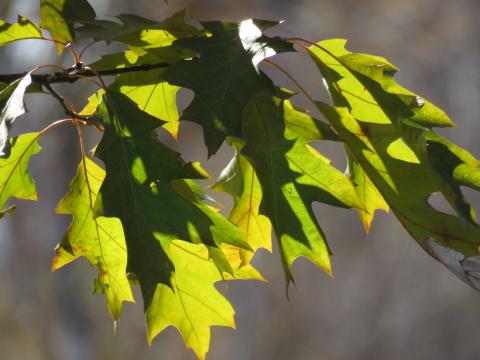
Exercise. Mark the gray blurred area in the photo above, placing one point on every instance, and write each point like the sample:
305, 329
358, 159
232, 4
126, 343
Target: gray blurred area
387, 300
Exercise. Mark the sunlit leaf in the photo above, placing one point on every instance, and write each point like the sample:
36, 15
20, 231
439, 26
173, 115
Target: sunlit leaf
22, 29
100, 239
369, 196
406, 187
191, 304
240, 181
58, 16
293, 175
15, 179
146, 221
387, 130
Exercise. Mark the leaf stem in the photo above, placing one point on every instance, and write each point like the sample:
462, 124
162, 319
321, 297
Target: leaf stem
297, 41
66, 46
293, 80
55, 124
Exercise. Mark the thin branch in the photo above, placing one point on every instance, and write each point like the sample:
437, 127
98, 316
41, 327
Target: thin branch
65, 104
71, 77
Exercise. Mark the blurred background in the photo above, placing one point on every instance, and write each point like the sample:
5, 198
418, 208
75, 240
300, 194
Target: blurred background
388, 299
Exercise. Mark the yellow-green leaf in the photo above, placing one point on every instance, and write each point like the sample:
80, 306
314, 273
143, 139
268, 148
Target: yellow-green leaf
406, 187
240, 181
292, 176
368, 194
387, 129
15, 179
100, 240
22, 29
191, 304
58, 16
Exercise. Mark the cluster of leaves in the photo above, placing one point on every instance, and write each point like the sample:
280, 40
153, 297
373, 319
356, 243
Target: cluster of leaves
143, 220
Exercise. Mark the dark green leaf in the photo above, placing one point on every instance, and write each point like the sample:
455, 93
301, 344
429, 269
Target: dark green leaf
224, 76
58, 17
145, 188
138, 190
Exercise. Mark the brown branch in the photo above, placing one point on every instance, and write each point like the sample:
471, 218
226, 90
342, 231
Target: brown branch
72, 76
64, 102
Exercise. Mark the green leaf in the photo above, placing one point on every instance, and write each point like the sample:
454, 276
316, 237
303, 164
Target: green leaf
366, 85
147, 89
139, 56
11, 103
456, 165
137, 31
293, 175
224, 77
406, 187
14, 177
58, 17
231, 261
240, 181
387, 130
145, 187
22, 29
92, 103
153, 95
191, 304
138, 190
369, 196
239, 269
100, 240
372, 77
150, 92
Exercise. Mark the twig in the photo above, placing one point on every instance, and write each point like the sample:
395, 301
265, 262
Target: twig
71, 77
63, 101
